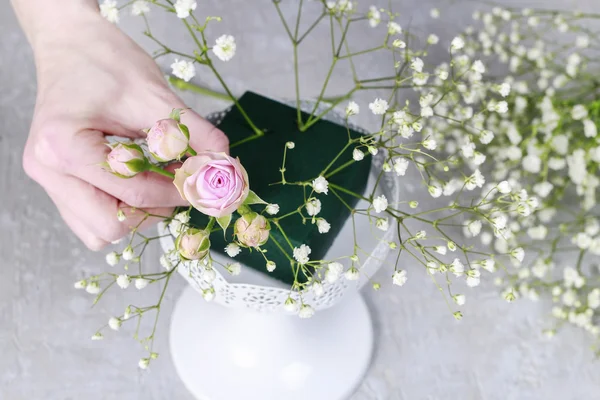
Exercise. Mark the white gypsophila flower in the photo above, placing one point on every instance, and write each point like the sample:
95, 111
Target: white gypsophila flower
432, 267
352, 274
400, 166
224, 47
373, 150
323, 226
476, 180
318, 289
209, 275
430, 144
440, 250
352, 109
320, 185
128, 253
333, 272
400, 44
579, 112
518, 254
537, 232
184, 8
112, 258
417, 64
478, 67
380, 203
140, 7
80, 284
504, 187
532, 163
272, 209
374, 16
504, 89
141, 283
594, 298
382, 224
209, 294
485, 137
457, 43
144, 363
301, 253
183, 69
234, 269
474, 227
313, 207
123, 281
358, 155
183, 217
165, 262
543, 189
434, 13
378, 106
271, 266
435, 190
473, 277
306, 311
457, 267
394, 28
97, 336
572, 278
110, 11
93, 288
582, 240
121, 216
433, 39
291, 305
459, 299
290, 145
114, 323
589, 128
399, 278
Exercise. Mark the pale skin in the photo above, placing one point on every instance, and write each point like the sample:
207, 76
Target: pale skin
93, 81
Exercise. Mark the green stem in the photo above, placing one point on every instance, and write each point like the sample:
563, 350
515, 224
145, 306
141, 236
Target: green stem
158, 170
257, 131
192, 151
211, 223
351, 193
183, 85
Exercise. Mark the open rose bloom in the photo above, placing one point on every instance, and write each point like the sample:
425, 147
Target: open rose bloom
213, 183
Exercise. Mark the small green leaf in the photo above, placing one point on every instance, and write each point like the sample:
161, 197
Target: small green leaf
224, 222
254, 199
176, 114
184, 129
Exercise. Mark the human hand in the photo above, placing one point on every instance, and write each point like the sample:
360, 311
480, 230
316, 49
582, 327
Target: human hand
94, 81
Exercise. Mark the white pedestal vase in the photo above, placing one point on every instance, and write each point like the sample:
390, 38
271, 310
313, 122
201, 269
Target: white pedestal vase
244, 345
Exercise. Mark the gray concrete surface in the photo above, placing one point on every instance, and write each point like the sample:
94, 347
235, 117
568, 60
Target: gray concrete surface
496, 352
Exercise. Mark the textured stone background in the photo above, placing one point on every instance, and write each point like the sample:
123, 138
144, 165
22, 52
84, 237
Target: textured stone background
496, 352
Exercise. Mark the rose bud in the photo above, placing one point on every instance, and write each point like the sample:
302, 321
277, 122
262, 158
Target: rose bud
126, 160
193, 244
252, 229
213, 183
168, 140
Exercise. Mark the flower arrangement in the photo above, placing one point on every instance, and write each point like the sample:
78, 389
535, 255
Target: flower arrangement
442, 139
548, 145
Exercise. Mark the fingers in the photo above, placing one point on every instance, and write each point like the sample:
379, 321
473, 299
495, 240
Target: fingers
204, 136
92, 214
81, 156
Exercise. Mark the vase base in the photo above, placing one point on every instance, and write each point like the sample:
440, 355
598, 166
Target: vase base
225, 353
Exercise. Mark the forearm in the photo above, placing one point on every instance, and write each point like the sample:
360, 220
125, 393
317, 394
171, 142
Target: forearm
38, 18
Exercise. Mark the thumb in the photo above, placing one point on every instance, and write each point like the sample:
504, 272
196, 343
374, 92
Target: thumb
204, 136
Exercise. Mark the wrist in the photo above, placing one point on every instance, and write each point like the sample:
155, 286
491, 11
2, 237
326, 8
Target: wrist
42, 20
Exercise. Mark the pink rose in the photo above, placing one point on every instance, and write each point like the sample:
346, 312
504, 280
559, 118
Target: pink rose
193, 244
126, 160
252, 230
167, 140
213, 183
